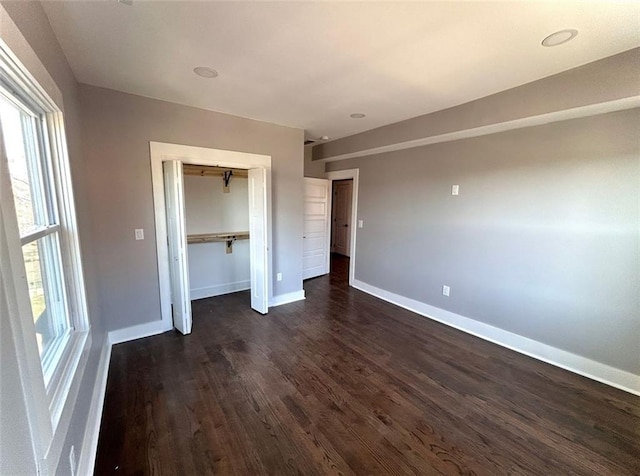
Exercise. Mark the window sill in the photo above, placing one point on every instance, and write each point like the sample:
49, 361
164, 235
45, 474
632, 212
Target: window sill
64, 395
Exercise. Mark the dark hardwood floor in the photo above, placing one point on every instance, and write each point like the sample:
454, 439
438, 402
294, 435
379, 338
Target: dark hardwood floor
344, 383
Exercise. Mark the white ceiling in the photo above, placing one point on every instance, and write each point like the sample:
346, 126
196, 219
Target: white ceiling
311, 64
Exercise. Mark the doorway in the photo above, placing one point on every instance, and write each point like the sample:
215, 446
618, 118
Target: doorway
168, 194
217, 223
345, 212
342, 195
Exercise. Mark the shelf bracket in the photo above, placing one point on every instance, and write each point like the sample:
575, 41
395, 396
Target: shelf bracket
226, 178
229, 247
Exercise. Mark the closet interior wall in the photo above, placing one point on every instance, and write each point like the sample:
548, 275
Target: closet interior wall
208, 209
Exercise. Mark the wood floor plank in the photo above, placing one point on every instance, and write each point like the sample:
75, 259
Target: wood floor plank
343, 383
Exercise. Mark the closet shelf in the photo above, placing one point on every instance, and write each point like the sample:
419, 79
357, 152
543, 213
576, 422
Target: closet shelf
214, 237
208, 171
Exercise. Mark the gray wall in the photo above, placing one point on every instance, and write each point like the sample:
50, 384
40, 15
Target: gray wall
116, 135
542, 241
34, 26
312, 168
608, 79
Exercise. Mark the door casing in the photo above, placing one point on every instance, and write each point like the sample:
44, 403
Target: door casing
162, 151
342, 175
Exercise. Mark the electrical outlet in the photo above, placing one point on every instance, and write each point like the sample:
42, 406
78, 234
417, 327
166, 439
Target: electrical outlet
446, 290
72, 460
279, 277
360, 223
139, 234
455, 189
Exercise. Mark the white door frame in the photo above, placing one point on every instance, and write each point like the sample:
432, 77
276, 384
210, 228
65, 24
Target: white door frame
161, 151
344, 175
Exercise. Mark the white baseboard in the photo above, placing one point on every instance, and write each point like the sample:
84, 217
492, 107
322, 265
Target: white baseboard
606, 374
137, 332
219, 290
287, 298
87, 459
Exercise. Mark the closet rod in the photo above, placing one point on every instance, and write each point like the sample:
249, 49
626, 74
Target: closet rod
207, 171
214, 237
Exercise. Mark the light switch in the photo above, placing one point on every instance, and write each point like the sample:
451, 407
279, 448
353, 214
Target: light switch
360, 223
455, 189
139, 234
446, 290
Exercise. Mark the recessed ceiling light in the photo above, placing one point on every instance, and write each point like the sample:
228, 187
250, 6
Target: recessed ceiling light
357, 115
559, 37
324, 138
205, 72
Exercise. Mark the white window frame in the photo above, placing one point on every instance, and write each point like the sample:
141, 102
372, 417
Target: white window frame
50, 404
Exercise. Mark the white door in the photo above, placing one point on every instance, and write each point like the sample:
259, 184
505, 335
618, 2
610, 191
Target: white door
258, 240
177, 238
315, 258
341, 217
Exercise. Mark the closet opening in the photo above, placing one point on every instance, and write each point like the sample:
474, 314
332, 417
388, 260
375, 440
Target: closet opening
216, 201
212, 227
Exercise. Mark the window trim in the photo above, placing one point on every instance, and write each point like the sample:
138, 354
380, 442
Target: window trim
49, 407
45, 209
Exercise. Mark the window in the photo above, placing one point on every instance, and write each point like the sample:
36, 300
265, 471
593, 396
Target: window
56, 329
33, 189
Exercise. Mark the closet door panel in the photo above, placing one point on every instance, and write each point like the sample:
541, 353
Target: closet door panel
258, 240
177, 242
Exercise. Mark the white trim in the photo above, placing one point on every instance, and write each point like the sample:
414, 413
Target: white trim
287, 298
219, 289
345, 175
138, 332
189, 154
19, 322
548, 118
87, 459
71, 381
161, 151
71, 364
552, 355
